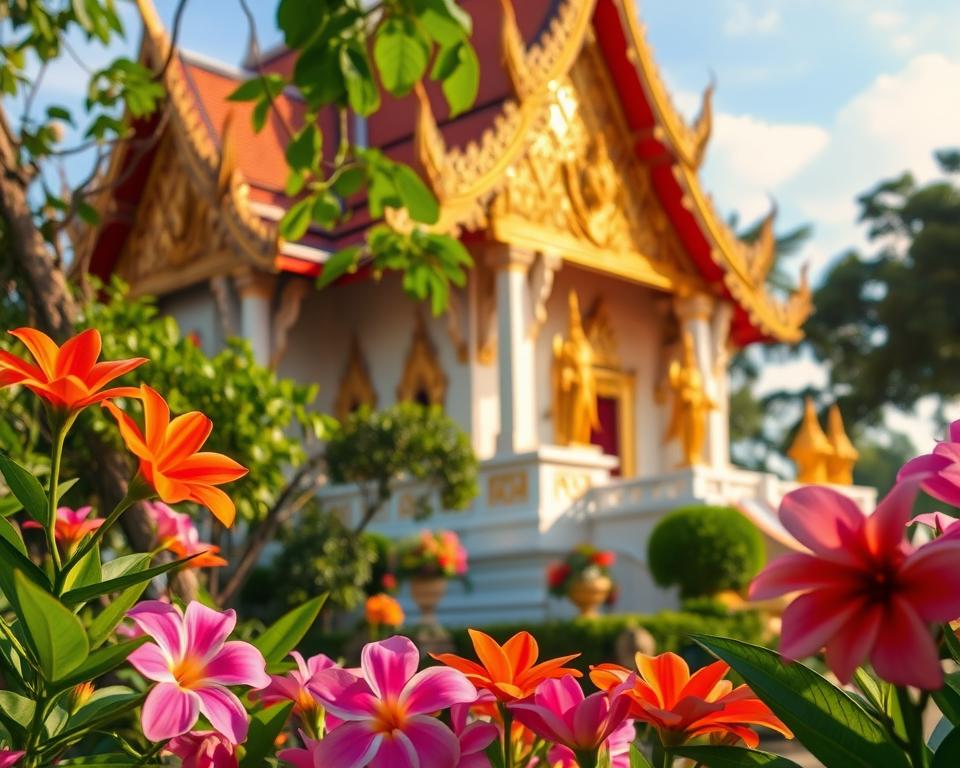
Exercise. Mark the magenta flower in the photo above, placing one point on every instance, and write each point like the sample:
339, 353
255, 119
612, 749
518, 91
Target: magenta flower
71, 526
192, 665
474, 736
8, 757
388, 710
867, 592
302, 757
938, 523
939, 471
203, 749
176, 532
559, 712
294, 685
617, 746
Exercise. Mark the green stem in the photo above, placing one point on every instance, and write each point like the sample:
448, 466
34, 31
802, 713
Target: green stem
913, 719
137, 490
661, 756
51, 526
507, 736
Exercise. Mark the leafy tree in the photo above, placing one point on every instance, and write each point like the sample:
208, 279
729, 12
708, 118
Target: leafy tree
378, 449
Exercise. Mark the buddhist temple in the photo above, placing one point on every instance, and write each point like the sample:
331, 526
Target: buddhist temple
587, 355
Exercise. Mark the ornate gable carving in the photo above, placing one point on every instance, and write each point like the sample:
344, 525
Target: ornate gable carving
580, 193
423, 379
356, 387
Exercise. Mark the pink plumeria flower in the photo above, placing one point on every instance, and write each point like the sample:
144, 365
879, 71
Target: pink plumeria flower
559, 712
302, 757
387, 712
474, 736
293, 685
72, 526
617, 746
868, 593
203, 749
176, 532
9, 757
938, 522
192, 665
939, 471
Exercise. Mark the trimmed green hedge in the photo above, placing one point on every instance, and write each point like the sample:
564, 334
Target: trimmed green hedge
595, 639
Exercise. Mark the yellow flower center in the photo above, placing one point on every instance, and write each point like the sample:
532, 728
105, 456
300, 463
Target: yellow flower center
189, 672
390, 717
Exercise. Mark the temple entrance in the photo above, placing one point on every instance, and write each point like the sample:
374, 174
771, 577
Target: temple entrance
607, 436
615, 406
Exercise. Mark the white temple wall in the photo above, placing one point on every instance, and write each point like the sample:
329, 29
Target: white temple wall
195, 312
637, 316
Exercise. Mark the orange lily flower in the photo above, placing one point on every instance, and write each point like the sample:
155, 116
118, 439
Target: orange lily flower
67, 377
508, 671
682, 706
169, 457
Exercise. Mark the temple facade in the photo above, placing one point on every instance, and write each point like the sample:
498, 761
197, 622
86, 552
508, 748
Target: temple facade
587, 355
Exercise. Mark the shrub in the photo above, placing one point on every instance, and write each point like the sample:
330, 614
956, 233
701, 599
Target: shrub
705, 550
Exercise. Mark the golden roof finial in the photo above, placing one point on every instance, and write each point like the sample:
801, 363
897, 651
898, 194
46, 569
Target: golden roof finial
703, 125
840, 464
811, 449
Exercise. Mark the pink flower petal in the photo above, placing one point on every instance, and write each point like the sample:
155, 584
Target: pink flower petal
238, 663
905, 653
821, 519
225, 712
396, 751
207, 629
352, 744
561, 696
930, 580
163, 623
812, 619
168, 711
924, 466
543, 722
9, 757
345, 695
847, 650
389, 664
151, 662
476, 737
589, 721
884, 529
436, 688
433, 742
298, 758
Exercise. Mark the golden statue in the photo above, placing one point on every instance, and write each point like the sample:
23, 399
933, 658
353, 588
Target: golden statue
844, 457
811, 450
691, 405
594, 191
574, 386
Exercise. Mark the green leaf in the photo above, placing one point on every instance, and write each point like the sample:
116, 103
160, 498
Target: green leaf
948, 697
26, 488
952, 642
105, 587
362, 91
12, 535
299, 20
318, 75
732, 757
282, 636
637, 758
16, 711
337, 265
458, 70
125, 564
326, 209
85, 572
948, 753
114, 760
296, 221
417, 198
830, 724
106, 621
55, 633
100, 662
445, 20
304, 149
105, 705
257, 88
401, 53
349, 182
265, 726
13, 561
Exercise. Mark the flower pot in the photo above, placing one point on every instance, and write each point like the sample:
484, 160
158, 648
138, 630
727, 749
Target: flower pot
427, 594
589, 593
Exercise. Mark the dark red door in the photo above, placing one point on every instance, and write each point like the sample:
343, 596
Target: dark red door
608, 435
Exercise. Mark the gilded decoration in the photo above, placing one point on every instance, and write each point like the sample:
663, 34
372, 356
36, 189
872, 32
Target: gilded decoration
356, 387
574, 384
691, 405
570, 486
423, 379
507, 488
811, 449
844, 455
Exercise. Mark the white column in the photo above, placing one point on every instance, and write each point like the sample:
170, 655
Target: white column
515, 350
718, 440
256, 294
695, 313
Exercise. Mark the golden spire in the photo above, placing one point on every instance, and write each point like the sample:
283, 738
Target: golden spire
840, 464
811, 450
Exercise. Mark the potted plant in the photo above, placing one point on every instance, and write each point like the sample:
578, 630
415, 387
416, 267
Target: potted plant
428, 561
584, 577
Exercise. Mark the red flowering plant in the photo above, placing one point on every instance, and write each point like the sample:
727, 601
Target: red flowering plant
432, 554
583, 562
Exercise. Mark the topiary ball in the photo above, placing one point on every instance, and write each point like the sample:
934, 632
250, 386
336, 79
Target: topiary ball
705, 550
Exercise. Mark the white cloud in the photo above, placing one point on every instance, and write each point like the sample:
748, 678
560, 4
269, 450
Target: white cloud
744, 21
886, 19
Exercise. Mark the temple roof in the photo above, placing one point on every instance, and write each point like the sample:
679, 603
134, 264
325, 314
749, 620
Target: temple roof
525, 48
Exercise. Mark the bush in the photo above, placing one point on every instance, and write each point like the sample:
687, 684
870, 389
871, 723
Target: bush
595, 639
705, 550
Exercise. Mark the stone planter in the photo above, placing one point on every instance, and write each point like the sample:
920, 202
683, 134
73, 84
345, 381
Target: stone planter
427, 594
588, 594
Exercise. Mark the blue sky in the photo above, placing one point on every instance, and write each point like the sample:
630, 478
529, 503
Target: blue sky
816, 101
